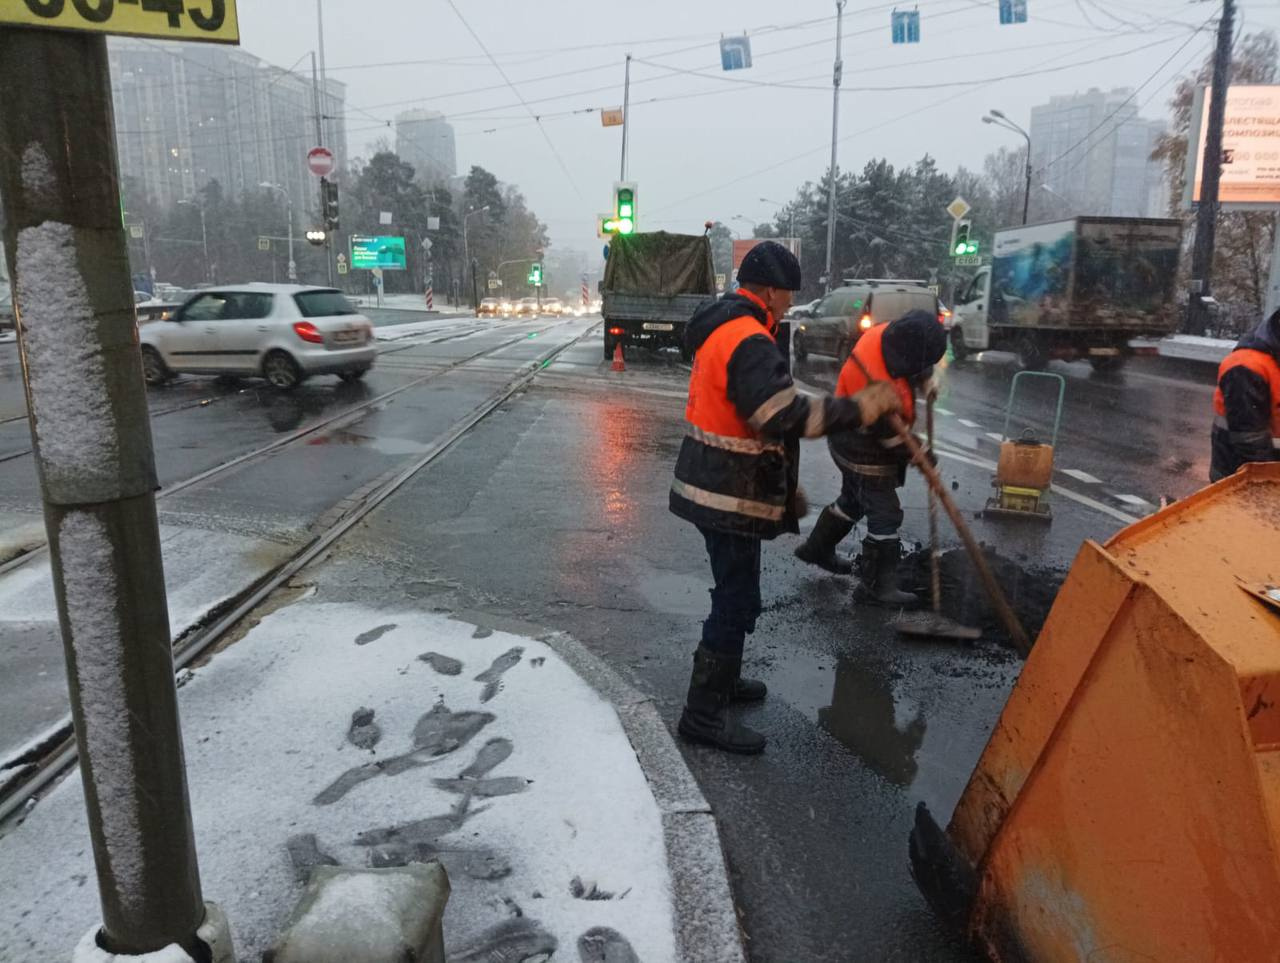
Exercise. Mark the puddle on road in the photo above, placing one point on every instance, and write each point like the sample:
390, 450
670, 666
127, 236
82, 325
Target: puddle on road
384, 446
920, 727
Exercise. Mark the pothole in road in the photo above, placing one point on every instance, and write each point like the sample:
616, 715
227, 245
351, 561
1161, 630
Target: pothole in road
1030, 589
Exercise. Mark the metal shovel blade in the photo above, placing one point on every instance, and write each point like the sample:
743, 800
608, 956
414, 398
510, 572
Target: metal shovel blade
934, 625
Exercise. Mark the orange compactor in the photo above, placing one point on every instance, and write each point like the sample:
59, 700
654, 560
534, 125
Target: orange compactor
1127, 805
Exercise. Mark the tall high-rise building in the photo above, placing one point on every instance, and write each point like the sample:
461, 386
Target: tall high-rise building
188, 114
425, 140
1092, 153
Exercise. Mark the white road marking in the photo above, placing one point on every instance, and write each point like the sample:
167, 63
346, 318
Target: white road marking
969, 424
942, 411
995, 436
1085, 500
1082, 476
1132, 500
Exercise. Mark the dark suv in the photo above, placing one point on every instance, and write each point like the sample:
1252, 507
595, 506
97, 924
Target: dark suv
840, 318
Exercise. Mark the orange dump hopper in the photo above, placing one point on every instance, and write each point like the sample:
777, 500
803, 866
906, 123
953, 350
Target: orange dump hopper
1127, 806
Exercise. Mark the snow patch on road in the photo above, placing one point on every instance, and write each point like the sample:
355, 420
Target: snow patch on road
265, 725
92, 593
65, 368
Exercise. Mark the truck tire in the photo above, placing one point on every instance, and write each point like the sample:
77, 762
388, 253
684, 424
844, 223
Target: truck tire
1108, 364
959, 350
1031, 353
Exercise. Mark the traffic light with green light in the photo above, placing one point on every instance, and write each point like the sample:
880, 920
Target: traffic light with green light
964, 243
623, 220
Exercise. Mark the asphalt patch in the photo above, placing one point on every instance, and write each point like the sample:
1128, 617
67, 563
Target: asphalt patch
1030, 589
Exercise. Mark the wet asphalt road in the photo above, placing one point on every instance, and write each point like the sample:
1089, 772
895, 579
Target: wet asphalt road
553, 511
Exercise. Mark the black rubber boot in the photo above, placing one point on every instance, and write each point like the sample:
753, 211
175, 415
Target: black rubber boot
706, 718
820, 547
878, 571
746, 690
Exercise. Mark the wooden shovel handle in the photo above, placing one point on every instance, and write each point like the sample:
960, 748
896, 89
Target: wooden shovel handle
921, 461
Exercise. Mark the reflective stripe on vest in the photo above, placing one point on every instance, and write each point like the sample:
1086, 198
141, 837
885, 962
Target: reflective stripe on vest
870, 351
709, 406
1261, 364
728, 503
1220, 421
742, 446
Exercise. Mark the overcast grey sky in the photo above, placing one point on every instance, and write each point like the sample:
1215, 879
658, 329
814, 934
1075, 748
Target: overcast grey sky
709, 144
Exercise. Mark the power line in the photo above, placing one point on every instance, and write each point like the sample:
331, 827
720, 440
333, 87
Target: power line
515, 90
1124, 103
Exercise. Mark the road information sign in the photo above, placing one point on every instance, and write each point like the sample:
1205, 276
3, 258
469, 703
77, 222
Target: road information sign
342, 263
958, 208
211, 21
264, 244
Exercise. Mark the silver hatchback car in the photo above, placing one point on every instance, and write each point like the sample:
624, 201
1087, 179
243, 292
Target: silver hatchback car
282, 332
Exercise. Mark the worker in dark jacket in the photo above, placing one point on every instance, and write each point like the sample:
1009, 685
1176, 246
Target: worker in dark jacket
735, 477
873, 462
1247, 403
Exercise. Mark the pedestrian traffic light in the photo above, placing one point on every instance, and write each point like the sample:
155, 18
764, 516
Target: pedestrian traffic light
329, 203
535, 274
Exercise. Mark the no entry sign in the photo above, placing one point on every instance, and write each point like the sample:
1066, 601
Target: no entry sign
320, 161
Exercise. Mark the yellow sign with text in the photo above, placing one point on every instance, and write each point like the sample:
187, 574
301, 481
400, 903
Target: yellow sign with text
211, 21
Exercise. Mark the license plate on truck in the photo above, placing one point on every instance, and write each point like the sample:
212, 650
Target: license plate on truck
652, 326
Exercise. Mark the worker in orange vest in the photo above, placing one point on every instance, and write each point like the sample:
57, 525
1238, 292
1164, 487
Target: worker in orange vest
1247, 403
737, 471
873, 462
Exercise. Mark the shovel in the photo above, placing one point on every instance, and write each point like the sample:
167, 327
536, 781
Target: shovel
936, 487
934, 625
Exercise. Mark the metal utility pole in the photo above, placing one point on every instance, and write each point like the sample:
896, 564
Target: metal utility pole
288, 200
626, 117
315, 96
836, 76
1207, 212
88, 413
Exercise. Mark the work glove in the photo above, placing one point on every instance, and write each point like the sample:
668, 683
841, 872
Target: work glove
877, 400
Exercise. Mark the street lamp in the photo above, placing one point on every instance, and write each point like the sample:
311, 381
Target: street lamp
466, 254
740, 217
1000, 120
288, 198
792, 229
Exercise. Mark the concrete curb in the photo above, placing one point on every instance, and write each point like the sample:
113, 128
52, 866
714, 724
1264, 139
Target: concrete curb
707, 928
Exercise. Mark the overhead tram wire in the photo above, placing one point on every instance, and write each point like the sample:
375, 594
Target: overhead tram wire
827, 146
515, 90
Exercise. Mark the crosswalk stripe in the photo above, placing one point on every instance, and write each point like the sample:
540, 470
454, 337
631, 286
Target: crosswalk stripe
995, 436
969, 424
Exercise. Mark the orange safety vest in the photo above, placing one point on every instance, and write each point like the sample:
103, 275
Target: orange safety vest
1261, 364
870, 351
709, 408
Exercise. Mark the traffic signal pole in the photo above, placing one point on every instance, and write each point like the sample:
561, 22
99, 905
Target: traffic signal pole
1207, 211
91, 433
324, 194
626, 117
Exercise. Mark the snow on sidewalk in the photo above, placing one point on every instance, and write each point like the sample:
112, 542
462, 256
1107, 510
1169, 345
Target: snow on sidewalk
482, 747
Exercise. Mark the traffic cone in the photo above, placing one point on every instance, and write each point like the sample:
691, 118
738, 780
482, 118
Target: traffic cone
618, 363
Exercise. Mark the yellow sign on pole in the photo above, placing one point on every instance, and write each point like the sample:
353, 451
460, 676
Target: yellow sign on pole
611, 117
212, 21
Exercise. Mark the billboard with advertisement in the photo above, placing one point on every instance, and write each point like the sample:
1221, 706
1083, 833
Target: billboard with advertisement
382, 251
1250, 148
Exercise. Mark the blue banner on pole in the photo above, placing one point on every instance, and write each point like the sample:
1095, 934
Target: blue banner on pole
905, 26
1013, 11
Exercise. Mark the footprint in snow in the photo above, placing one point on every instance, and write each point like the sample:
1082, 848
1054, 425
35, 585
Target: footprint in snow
600, 944
441, 663
364, 638
305, 854
590, 891
364, 732
492, 676
519, 940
